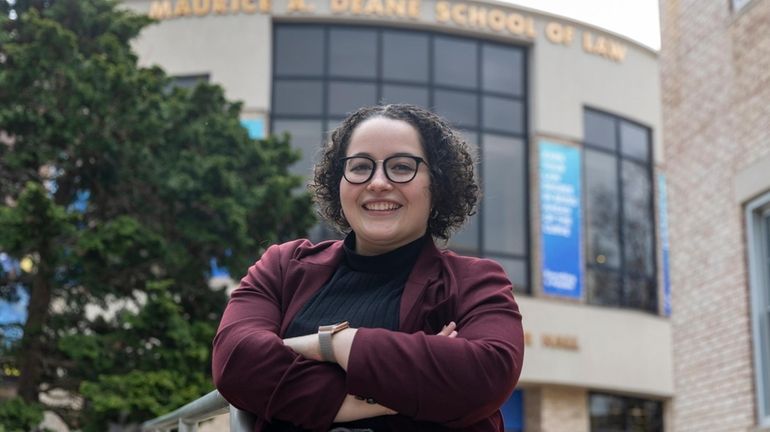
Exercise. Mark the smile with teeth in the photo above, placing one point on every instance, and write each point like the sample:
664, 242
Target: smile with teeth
382, 206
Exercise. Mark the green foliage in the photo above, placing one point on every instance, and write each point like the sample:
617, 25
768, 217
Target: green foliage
19, 416
172, 180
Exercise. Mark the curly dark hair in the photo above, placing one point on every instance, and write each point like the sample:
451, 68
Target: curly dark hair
453, 184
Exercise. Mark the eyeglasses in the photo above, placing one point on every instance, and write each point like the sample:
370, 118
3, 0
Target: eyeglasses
398, 169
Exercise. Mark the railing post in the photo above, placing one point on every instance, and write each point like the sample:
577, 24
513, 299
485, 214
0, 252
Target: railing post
183, 426
241, 421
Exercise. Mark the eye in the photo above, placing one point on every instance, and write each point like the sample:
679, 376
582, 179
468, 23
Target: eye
359, 166
402, 167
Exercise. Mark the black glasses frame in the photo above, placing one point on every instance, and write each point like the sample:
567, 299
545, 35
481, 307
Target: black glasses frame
384, 162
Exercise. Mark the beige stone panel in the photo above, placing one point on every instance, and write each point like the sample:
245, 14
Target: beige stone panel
616, 349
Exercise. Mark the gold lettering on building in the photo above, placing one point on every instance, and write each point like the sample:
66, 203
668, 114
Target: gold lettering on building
389, 8
559, 34
167, 9
201, 7
299, 6
569, 343
395, 7
220, 7
604, 47
182, 8
479, 17
161, 9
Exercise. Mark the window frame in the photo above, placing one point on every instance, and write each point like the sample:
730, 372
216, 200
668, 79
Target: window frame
432, 86
626, 401
758, 236
619, 157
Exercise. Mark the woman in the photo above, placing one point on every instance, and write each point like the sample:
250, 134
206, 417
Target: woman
381, 331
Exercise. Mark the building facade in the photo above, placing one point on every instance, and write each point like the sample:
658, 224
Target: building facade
565, 120
715, 68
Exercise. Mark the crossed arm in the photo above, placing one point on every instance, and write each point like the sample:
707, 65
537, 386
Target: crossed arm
257, 371
352, 408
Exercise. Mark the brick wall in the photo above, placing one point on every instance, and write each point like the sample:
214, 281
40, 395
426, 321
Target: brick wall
715, 67
556, 409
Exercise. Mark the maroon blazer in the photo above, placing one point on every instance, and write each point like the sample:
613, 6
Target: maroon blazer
434, 382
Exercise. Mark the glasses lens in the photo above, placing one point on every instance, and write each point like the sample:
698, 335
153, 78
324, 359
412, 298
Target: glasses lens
401, 169
358, 169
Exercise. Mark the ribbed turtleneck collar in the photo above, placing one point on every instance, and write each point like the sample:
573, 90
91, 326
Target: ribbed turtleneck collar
396, 260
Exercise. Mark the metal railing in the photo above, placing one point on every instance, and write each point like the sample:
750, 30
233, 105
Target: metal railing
186, 418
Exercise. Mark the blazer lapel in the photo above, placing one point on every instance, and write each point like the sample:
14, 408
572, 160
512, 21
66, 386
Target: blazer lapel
305, 276
424, 273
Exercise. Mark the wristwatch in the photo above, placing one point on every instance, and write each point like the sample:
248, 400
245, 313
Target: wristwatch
325, 334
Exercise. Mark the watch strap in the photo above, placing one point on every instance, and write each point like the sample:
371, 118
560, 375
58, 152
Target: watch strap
325, 334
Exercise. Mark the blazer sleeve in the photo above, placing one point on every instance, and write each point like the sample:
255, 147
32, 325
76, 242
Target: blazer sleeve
453, 381
255, 371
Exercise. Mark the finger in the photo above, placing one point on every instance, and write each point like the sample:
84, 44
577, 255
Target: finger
447, 329
453, 334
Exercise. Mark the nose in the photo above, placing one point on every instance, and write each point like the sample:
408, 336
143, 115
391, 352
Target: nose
379, 181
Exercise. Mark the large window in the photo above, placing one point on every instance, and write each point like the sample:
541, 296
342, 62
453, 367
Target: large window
620, 231
758, 230
611, 413
323, 72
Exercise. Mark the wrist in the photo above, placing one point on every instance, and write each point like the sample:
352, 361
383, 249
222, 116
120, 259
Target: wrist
326, 336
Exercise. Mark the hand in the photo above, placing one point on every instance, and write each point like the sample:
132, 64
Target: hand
448, 330
355, 409
306, 346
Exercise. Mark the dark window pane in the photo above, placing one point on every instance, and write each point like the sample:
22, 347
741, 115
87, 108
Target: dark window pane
299, 50
405, 94
625, 414
637, 219
502, 70
599, 130
503, 114
640, 294
604, 288
634, 141
188, 81
405, 56
607, 414
516, 270
298, 97
460, 108
603, 234
504, 195
347, 97
467, 239
353, 52
305, 136
455, 62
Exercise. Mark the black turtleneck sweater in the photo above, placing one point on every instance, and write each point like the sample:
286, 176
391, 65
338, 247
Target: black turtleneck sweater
365, 290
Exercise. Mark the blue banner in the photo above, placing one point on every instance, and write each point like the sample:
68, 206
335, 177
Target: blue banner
256, 128
663, 221
560, 226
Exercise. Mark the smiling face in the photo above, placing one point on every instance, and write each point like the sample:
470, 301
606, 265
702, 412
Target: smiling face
386, 215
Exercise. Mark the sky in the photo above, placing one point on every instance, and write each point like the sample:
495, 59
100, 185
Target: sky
635, 19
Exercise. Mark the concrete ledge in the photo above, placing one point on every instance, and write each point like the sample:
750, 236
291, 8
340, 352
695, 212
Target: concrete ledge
752, 181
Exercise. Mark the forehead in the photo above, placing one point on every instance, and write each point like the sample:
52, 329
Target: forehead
382, 137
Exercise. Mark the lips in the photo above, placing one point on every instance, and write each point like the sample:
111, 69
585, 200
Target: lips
381, 206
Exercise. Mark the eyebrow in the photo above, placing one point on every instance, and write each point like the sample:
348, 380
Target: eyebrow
394, 154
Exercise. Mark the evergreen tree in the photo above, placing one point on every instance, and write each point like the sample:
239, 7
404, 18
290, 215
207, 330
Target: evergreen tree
120, 189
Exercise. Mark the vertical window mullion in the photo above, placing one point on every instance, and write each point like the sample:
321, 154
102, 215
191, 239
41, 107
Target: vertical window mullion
378, 74
758, 246
480, 140
621, 220
325, 78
